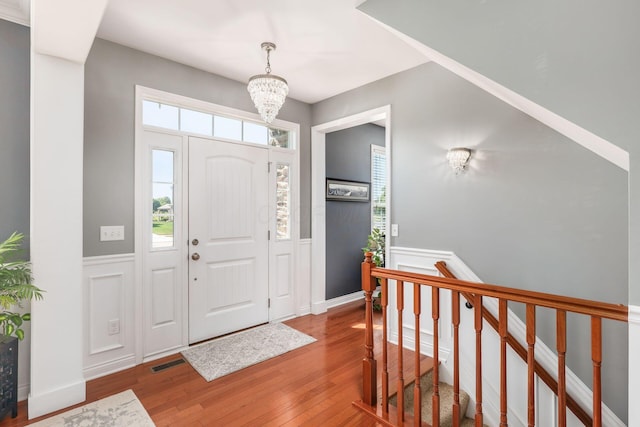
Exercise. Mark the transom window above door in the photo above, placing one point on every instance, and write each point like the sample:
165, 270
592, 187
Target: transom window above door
190, 121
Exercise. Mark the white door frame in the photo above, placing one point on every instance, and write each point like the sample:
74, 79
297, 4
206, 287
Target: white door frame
318, 206
156, 95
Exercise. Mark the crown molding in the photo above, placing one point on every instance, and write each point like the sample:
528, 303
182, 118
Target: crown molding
15, 11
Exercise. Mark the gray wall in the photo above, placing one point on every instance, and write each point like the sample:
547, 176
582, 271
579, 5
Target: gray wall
14, 128
577, 58
534, 211
111, 73
348, 157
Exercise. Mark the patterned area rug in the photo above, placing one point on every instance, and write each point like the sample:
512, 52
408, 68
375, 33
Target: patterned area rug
120, 410
231, 353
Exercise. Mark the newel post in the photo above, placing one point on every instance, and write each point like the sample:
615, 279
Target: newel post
369, 386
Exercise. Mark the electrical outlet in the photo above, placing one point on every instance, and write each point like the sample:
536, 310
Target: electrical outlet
114, 326
394, 230
111, 232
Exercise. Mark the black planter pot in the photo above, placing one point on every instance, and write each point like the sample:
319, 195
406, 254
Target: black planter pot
8, 376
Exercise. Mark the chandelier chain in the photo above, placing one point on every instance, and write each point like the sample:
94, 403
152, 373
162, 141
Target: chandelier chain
268, 67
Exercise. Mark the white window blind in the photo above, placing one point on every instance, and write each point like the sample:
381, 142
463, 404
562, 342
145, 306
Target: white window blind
378, 188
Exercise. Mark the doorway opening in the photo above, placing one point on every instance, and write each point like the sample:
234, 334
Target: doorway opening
381, 116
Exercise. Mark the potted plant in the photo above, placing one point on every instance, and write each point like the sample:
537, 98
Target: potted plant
16, 286
376, 245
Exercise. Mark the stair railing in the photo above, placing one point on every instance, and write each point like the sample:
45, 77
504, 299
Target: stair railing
507, 339
475, 292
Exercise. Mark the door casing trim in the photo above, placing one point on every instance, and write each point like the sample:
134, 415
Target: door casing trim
318, 205
146, 93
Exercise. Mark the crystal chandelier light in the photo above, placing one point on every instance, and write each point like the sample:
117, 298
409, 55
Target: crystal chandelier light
268, 91
458, 158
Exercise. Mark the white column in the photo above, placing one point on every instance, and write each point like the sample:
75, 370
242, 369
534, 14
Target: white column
318, 222
62, 32
57, 112
634, 367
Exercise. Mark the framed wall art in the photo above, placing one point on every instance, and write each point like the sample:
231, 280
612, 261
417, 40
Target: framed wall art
347, 191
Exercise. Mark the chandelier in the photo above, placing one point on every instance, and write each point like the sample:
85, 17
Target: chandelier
268, 91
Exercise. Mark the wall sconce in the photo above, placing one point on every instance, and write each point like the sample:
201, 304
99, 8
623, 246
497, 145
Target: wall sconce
458, 158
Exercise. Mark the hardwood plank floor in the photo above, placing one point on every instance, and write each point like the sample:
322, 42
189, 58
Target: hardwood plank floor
310, 386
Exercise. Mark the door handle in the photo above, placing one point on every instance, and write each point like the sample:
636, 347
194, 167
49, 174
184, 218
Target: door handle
195, 256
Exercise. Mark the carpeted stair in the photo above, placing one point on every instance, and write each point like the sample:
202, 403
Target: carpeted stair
446, 401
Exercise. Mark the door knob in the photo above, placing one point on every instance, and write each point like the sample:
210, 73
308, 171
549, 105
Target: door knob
195, 256
195, 242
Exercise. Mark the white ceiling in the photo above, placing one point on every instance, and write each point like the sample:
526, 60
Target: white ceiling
324, 47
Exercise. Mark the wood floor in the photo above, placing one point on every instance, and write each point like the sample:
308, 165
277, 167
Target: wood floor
310, 386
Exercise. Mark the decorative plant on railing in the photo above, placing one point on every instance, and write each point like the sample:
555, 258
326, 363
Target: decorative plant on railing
376, 245
16, 286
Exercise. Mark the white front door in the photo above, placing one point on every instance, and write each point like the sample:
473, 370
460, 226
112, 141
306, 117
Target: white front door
228, 237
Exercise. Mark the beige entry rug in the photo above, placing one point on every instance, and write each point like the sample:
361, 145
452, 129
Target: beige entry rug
120, 410
231, 353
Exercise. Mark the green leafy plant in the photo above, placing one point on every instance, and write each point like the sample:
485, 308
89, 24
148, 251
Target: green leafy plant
375, 245
16, 286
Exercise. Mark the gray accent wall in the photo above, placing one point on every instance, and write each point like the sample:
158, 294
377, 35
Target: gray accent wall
14, 129
534, 210
112, 71
348, 157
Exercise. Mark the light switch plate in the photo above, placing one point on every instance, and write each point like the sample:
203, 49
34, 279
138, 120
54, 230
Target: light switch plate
111, 232
394, 230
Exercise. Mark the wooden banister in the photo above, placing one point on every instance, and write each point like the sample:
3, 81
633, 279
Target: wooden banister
478, 327
455, 310
596, 356
561, 346
519, 349
417, 392
531, 360
400, 387
474, 293
435, 315
540, 299
369, 389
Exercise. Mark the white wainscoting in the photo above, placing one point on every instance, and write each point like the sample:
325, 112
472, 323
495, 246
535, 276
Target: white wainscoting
423, 261
303, 275
108, 284
109, 294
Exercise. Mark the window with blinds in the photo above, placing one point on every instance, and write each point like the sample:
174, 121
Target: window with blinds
378, 188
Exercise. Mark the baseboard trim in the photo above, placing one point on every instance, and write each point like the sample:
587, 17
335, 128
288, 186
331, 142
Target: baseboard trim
162, 354
57, 399
344, 299
319, 307
303, 311
23, 391
109, 367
